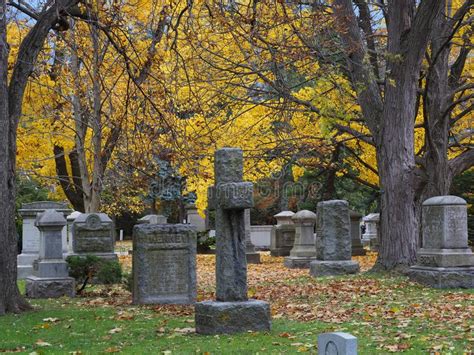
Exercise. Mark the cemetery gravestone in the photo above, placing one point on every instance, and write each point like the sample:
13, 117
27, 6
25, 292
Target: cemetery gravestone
333, 240
283, 234
50, 272
31, 234
93, 235
70, 220
193, 217
337, 343
164, 264
304, 250
445, 260
153, 219
251, 255
232, 312
371, 236
357, 247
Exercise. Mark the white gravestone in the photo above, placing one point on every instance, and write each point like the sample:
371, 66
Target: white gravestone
337, 343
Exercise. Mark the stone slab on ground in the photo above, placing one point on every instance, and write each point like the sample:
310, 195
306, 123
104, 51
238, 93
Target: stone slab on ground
298, 262
333, 268
440, 277
37, 287
337, 343
232, 317
253, 258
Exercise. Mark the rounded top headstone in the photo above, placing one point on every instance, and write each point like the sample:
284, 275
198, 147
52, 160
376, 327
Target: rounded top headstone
73, 215
304, 216
50, 218
444, 200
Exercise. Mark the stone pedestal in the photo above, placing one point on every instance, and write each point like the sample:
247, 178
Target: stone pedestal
357, 247
31, 234
164, 264
50, 277
445, 260
252, 256
283, 234
233, 312
371, 236
194, 218
333, 240
93, 235
304, 250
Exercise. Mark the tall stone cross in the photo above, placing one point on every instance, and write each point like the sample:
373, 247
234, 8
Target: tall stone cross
230, 196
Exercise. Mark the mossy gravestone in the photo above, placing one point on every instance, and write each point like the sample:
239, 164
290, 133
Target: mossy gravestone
233, 312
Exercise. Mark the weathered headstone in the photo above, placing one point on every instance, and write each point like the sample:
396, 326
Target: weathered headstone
445, 260
357, 247
50, 272
337, 343
70, 220
193, 217
283, 234
31, 234
153, 219
304, 250
164, 264
333, 240
252, 256
232, 312
371, 236
93, 235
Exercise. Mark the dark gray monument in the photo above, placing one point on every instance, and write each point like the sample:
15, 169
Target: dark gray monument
31, 234
337, 343
164, 264
357, 247
304, 250
93, 235
283, 234
445, 260
252, 256
50, 272
232, 312
333, 240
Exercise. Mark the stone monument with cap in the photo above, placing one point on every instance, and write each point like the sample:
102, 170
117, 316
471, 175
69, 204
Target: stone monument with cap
304, 249
445, 259
232, 312
283, 234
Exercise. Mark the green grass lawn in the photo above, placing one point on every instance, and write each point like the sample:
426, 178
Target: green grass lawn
393, 321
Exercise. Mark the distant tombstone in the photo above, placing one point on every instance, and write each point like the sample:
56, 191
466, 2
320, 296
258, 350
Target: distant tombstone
153, 219
232, 312
283, 234
337, 343
31, 234
93, 235
164, 264
333, 240
193, 217
445, 260
70, 220
304, 250
50, 277
357, 247
371, 236
253, 257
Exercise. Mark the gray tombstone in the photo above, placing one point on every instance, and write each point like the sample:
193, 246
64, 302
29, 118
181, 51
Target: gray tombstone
50, 272
252, 256
337, 343
233, 312
153, 219
164, 264
333, 240
283, 234
357, 247
31, 234
304, 250
93, 235
371, 236
445, 260
70, 220
193, 217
